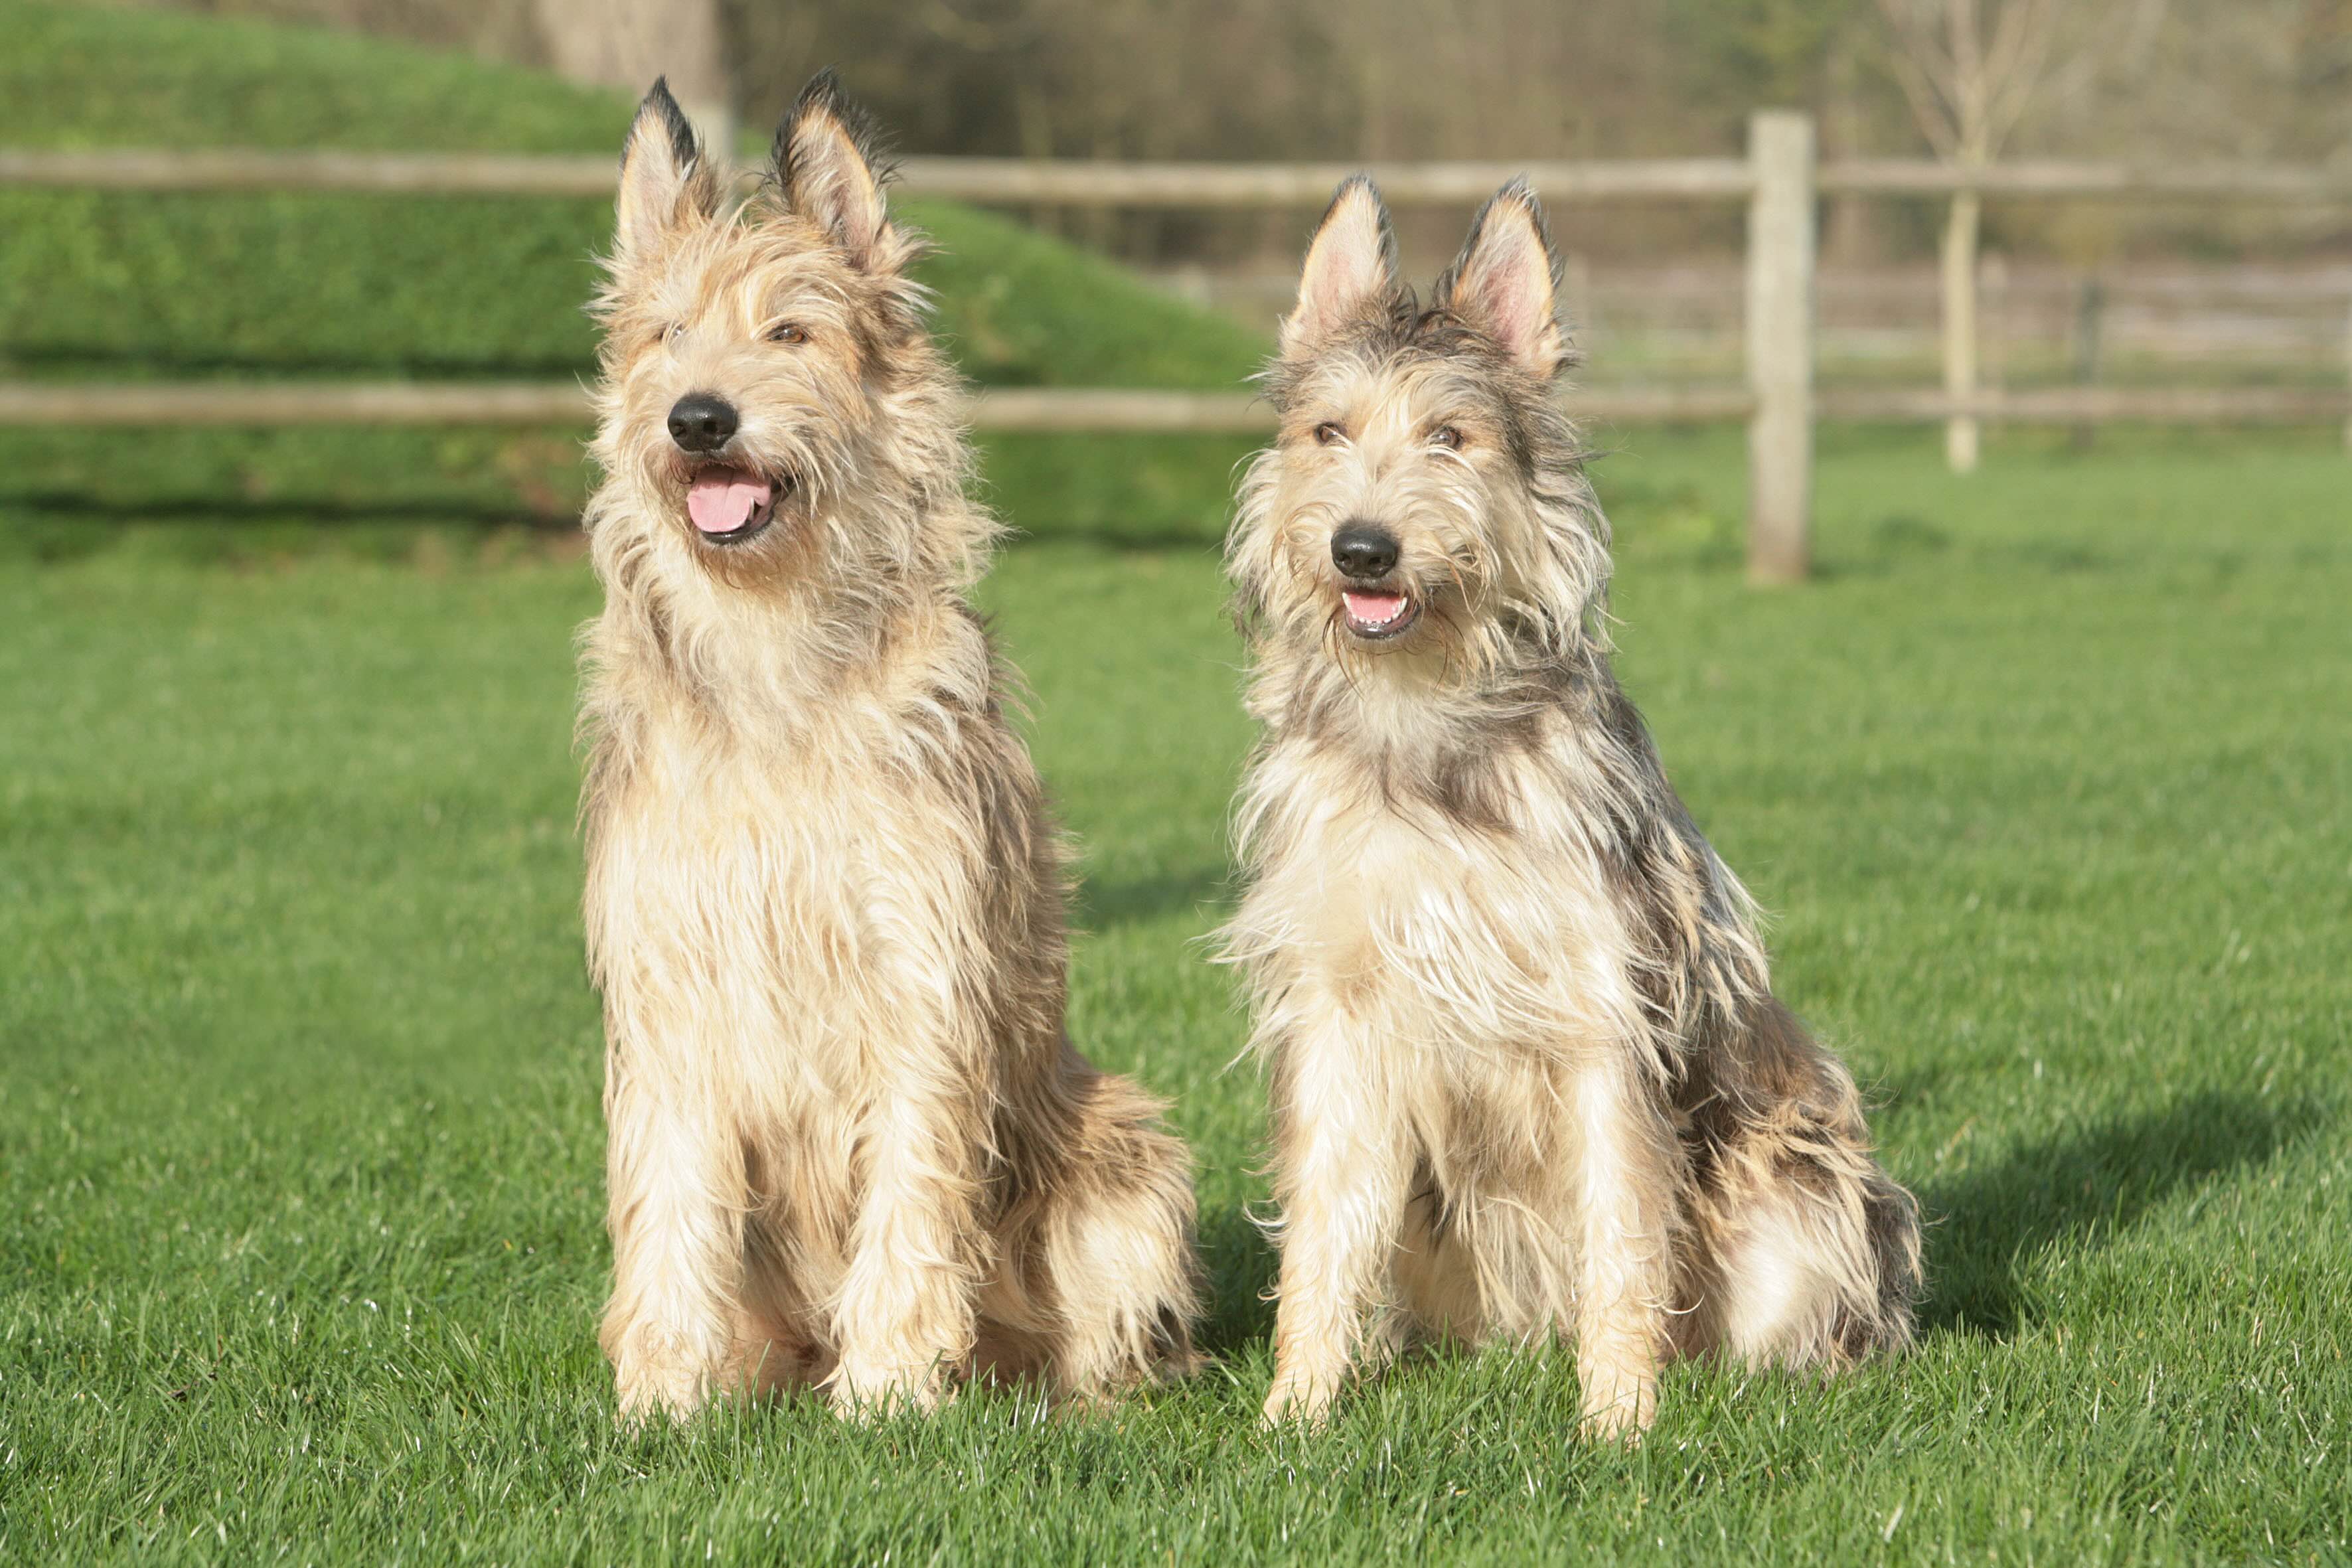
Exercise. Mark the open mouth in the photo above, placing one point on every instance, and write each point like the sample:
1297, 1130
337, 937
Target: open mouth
1377, 614
729, 505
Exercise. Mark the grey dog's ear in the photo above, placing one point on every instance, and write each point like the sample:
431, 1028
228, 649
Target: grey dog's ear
666, 184
1352, 265
828, 165
1504, 284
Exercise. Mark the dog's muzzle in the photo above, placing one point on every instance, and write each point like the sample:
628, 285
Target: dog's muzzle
702, 424
1365, 555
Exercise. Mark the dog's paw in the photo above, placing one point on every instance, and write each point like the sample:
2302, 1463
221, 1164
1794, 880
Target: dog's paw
870, 1392
645, 1403
1297, 1402
659, 1373
1621, 1416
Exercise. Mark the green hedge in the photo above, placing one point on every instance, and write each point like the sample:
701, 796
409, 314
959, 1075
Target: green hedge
99, 285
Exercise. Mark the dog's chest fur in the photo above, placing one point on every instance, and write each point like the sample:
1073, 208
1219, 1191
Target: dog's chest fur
736, 882
746, 857
1379, 902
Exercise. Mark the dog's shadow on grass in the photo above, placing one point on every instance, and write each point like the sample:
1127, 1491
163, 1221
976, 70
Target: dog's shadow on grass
2081, 1187
1240, 1263
1203, 890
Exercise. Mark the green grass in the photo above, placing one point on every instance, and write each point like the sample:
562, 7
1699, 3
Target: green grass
2045, 777
112, 285
299, 1148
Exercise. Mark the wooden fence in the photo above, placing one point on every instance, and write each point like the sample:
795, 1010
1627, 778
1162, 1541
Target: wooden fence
1781, 182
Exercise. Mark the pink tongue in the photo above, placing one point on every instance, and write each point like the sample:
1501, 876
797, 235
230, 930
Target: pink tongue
723, 500
1373, 609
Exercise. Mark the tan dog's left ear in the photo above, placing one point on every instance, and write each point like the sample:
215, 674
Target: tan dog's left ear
825, 165
1505, 283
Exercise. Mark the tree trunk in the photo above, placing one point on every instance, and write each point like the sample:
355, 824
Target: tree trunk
1960, 233
1850, 236
627, 43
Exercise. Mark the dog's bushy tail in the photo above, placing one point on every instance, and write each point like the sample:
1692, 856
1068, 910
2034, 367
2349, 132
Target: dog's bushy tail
1103, 1268
1809, 1251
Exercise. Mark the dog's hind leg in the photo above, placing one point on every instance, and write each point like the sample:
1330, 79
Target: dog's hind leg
1098, 1268
1808, 1252
1436, 1278
676, 1221
779, 1347
1812, 1252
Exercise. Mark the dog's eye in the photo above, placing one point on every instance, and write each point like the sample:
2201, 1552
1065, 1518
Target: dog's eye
1448, 437
791, 332
667, 331
1326, 433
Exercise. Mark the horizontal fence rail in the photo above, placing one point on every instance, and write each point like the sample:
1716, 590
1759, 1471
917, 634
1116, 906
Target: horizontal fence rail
381, 174
2253, 182
2093, 405
1043, 409
1078, 181
1077, 409
1780, 183
1084, 183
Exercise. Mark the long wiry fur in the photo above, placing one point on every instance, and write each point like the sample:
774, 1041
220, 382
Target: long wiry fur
1529, 1076
850, 1142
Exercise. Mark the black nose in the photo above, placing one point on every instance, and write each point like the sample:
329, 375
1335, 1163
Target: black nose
1364, 551
701, 423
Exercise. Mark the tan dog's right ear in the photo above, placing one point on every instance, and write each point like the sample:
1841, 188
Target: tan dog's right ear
1352, 265
667, 184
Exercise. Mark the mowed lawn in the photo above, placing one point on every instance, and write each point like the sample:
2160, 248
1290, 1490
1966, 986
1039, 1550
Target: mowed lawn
2046, 779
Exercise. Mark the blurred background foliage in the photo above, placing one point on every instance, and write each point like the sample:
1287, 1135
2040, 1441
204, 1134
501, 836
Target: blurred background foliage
1401, 78
126, 286
116, 286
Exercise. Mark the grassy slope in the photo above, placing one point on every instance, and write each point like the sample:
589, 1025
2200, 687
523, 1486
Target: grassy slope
299, 1084
93, 284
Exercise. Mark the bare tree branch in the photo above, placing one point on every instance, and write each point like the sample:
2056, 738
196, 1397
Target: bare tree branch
1972, 70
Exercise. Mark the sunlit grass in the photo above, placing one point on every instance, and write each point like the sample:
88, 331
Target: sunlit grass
2045, 779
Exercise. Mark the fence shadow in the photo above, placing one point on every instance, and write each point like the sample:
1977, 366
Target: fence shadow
2083, 1186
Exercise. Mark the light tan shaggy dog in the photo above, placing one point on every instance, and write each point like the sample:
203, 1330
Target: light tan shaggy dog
850, 1142
1528, 1074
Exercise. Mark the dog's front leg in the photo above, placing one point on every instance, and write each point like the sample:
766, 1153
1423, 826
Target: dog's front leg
1341, 1180
906, 1316
1629, 1208
676, 1201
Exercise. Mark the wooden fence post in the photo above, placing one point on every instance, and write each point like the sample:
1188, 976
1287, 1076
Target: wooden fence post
1963, 233
2090, 332
1781, 224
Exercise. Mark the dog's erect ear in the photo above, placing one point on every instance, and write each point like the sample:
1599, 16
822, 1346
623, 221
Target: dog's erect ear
1503, 282
1351, 264
827, 167
665, 182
